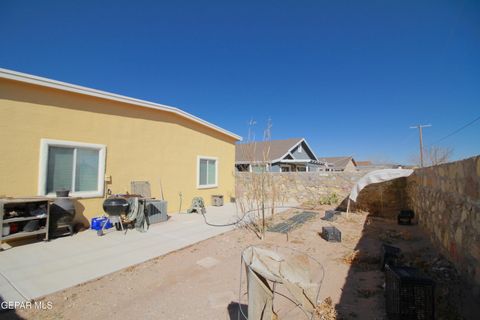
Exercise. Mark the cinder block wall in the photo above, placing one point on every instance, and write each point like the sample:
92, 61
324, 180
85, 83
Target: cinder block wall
446, 200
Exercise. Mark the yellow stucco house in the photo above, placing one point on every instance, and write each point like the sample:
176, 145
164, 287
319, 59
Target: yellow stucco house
58, 135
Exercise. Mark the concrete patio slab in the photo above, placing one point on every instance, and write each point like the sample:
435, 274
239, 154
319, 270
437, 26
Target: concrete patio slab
41, 268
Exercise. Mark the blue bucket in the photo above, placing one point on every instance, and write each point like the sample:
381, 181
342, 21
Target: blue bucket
97, 223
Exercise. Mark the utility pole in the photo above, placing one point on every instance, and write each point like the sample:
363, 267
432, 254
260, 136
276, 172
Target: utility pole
420, 134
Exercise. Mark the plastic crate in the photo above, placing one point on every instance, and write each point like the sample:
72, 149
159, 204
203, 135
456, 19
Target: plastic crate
157, 211
409, 294
389, 256
331, 234
405, 217
330, 215
97, 223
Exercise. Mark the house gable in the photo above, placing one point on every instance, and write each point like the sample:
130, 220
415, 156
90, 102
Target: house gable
299, 151
302, 152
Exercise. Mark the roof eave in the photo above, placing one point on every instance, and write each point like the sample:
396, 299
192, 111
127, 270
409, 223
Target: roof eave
64, 86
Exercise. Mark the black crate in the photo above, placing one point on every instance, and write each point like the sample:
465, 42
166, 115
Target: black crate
389, 256
405, 217
408, 294
330, 216
331, 234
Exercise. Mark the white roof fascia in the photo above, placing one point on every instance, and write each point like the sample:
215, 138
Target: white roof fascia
295, 161
250, 162
311, 150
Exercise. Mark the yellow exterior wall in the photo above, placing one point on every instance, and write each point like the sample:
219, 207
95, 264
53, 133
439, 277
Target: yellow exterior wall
142, 144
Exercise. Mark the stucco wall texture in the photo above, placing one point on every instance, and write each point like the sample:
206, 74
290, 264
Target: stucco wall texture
141, 144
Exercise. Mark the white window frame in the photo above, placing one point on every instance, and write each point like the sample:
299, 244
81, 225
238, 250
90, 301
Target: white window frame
300, 149
265, 166
207, 186
43, 166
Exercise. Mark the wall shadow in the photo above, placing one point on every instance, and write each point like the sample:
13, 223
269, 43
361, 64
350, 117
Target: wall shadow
363, 292
79, 215
362, 295
233, 311
8, 314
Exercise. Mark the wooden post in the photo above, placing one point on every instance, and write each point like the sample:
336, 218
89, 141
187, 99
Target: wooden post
348, 206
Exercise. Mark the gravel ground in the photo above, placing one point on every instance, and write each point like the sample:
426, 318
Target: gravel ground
202, 281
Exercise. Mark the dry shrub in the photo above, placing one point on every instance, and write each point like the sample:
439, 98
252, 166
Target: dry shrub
325, 310
316, 202
351, 258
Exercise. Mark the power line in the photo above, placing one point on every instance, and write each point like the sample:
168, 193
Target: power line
458, 130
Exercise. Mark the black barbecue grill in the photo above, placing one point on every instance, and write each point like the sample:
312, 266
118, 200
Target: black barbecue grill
116, 206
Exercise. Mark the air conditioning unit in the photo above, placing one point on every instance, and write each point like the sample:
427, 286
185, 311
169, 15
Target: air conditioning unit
217, 200
156, 210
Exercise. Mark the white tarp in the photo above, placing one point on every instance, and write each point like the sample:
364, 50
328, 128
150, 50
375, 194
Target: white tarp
295, 272
378, 176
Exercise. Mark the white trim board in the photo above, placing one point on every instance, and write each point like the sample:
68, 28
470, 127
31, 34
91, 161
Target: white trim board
295, 161
207, 186
43, 166
45, 82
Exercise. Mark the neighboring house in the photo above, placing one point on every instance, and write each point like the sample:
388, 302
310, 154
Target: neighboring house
347, 164
276, 156
361, 164
368, 165
365, 165
58, 135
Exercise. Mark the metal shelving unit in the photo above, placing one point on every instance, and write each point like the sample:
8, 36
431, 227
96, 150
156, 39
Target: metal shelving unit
23, 205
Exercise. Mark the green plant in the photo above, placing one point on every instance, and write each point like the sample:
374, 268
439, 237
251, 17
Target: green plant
329, 199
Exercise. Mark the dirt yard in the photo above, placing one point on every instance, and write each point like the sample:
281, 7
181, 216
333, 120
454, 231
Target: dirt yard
202, 281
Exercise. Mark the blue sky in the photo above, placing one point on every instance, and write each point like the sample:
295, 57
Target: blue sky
350, 76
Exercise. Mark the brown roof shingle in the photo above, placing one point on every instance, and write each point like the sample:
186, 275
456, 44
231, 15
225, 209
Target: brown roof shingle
264, 150
364, 163
338, 162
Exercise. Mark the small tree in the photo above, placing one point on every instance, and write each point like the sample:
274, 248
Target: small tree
433, 156
438, 155
258, 192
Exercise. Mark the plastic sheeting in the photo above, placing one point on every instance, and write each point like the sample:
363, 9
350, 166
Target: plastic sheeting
137, 214
295, 272
377, 176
